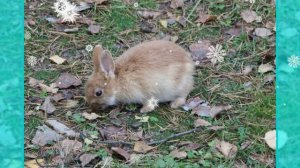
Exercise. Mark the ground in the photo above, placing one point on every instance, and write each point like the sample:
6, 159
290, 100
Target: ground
252, 99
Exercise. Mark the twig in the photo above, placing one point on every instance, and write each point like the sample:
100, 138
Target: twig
194, 8
116, 142
176, 135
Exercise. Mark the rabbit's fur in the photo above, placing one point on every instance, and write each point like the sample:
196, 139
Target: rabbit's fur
157, 69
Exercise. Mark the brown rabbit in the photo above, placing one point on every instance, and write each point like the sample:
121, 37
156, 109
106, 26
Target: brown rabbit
157, 69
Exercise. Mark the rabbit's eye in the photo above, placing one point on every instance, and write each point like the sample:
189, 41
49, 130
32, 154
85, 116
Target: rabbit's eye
98, 93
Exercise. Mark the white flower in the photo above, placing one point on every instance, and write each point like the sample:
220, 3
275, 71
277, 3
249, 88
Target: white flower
294, 61
65, 10
89, 48
216, 54
152, 103
136, 5
27, 35
197, 62
31, 61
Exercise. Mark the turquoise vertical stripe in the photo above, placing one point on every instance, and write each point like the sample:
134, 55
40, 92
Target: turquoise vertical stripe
11, 83
288, 84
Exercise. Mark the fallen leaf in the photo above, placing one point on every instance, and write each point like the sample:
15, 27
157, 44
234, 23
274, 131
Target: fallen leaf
248, 15
270, 138
262, 32
70, 147
263, 158
82, 6
146, 14
113, 133
61, 128
263, 68
94, 29
191, 146
33, 163
34, 82
57, 97
70, 103
176, 4
147, 27
71, 30
178, 154
171, 21
200, 122
208, 111
84, 20
67, 80
246, 144
90, 116
164, 23
121, 152
45, 135
192, 103
269, 79
57, 59
204, 18
142, 147
47, 106
200, 49
270, 25
137, 135
50, 89
181, 20
247, 69
86, 158
227, 149
236, 31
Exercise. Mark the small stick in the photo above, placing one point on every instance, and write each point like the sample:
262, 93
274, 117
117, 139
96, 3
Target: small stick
116, 142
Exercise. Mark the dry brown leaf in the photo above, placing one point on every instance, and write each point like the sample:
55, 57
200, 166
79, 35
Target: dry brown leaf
247, 69
94, 29
204, 18
70, 147
61, 128
142, 147
70, 103
50, 89
178, 154
113, 133
270, 138
90, 116
45, 135
147, 27
200, 122
192, 103
57, 59
121, 152
269, 79
47, 106
191, 146
176, 4
208, 111
33, 163
263, 68
34, 82
235, 31
86, 158
248, 15
200, 49
148, 14
57, 97
67, 80
181, 20
262, 32
84, 20
263, 158
227, 149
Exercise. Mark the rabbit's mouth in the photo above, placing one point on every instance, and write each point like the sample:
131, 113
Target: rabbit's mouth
98, 107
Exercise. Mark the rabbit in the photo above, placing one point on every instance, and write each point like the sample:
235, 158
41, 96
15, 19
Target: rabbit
156, 70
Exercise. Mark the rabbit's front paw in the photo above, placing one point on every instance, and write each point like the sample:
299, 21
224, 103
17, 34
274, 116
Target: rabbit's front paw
146, 109
178, 102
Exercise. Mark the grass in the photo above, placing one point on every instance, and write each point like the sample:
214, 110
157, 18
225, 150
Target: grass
253, 112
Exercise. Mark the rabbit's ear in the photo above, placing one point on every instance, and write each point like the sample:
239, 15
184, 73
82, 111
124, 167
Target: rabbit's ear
107, 65
96, 57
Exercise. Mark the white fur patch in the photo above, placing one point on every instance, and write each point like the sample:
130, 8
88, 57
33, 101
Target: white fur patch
112, 99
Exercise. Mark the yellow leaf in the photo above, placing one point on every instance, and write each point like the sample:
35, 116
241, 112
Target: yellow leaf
33, 163
57, 59
164, 23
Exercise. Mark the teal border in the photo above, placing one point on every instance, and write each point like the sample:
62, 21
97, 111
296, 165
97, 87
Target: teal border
11, 83
287, 84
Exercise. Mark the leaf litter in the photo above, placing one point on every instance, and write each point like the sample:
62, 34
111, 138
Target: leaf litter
67, 80
61, 128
